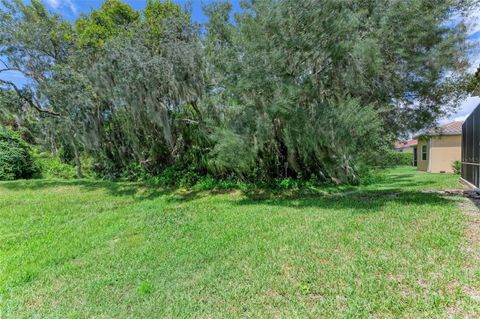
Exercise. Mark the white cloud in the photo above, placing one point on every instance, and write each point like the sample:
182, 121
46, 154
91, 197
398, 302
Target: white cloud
72, 6
54, 3
60, 4
467, 107
471, 21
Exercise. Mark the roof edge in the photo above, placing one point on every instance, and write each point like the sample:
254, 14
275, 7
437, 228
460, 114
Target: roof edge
435, 134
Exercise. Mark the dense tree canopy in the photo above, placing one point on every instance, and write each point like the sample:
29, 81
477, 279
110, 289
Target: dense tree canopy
113, 18
286, 88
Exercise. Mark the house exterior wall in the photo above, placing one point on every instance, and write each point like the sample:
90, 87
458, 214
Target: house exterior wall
422, 165
445, 150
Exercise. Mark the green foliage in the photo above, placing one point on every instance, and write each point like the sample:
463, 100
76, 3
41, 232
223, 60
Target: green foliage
209, 183
66, 154
16, 115
285, 91
457, 167
310, 98
106, 170
16, 159
156, 15
99, 26
133, 172
174, 176
9, 107
57, 168
231, 153
52, 167
392, 158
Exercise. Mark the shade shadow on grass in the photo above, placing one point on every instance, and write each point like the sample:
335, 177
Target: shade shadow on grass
362, 202
122, 189
395, 181
370, 197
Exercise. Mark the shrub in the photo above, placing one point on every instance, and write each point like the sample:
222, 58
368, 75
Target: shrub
66, 154
174, 176
16, 160
210, 183
133, 172
392, 158
52, 167
287, 183
457, 167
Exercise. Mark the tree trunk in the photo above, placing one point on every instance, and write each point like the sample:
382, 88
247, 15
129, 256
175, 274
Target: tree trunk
78, 162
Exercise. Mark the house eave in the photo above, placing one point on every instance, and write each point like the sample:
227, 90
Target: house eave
419, 136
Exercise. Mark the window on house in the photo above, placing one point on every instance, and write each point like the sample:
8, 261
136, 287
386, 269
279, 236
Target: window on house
424, 152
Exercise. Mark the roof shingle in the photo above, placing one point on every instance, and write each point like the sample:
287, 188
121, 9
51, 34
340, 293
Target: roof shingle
452, 128
402, 144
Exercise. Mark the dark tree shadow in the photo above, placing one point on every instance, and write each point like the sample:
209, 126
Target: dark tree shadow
395, 181
138, 191
370, 198
361, 202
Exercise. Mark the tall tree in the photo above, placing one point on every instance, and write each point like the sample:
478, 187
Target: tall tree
32, 42
144, 85
319, 86
113, 18
286, 88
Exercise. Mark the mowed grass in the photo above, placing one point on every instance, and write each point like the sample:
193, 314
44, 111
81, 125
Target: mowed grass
86, 249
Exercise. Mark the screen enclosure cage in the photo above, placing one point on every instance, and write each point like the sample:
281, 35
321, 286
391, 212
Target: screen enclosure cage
471, 148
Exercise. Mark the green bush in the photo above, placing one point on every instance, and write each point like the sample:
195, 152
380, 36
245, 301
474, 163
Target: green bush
133, 172
53, 167
457, 167
173, 176
16, 160
66, 154
392, 158
210, 183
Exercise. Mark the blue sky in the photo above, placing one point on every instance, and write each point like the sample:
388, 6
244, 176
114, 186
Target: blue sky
71, 9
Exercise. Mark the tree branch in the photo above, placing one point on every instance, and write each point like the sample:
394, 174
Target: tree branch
189, 121
28, 100
10, 69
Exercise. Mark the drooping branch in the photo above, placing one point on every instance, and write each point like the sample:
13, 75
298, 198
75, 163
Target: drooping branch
31, 101
9, 69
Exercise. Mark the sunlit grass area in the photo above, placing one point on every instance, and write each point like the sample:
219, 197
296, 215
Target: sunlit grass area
86, 249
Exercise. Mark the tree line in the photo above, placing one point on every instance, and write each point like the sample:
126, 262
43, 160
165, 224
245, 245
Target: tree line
281, 88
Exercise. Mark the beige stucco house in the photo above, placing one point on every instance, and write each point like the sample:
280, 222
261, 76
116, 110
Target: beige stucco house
438, 148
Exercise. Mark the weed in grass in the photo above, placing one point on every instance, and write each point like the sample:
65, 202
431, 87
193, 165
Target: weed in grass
145, 288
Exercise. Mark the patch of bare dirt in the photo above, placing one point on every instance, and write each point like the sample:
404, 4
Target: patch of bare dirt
471, 209
447, 192
375, 196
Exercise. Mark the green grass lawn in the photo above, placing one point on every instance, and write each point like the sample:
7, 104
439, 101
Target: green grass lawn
86, 249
